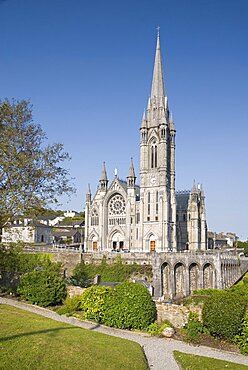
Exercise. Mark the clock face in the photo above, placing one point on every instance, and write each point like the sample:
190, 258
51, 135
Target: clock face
153, 180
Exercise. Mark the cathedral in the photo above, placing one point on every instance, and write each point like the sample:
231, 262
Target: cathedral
151, 216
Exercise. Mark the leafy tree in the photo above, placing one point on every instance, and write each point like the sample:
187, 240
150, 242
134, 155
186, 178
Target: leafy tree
31, 173
243, 245
47, 212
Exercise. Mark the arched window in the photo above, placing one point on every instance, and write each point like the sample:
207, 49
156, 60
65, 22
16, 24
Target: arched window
148, 203
94, 218
156, 202
163, 133
154, 155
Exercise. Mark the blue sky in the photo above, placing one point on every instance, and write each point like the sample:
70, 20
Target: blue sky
87, 69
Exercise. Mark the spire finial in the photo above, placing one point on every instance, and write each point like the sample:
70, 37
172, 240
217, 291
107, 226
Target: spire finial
158, 29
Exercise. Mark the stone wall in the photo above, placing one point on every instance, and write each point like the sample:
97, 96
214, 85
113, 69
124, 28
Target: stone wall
74, 290
177, 315
68, 260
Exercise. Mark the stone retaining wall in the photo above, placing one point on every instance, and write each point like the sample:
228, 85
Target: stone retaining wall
177, 315
74, 290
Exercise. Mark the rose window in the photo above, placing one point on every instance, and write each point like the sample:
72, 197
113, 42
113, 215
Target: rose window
117, 205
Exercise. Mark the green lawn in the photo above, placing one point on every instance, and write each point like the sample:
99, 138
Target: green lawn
30, 341
194, 362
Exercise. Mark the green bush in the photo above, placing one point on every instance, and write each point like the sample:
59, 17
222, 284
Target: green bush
153, 328
43, 288
156, 329
205, 292
194, 328
93, 302
82, 276
242, 339
241, 287
129, 306
71, 305
223, 313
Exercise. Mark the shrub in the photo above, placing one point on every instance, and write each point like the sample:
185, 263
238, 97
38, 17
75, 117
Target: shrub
242, 339
71, 305
223, 313
205, 292
82, 276
153, 328
156, 329
43, 288
241, 287
194, 328
129, 306
93, 302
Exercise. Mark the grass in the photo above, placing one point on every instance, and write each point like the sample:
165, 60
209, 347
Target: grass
30, 341
194, 362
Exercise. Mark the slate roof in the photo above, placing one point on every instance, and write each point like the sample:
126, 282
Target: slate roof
182, 199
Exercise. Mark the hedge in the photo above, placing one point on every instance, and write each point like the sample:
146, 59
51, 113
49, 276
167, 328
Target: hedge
223, 313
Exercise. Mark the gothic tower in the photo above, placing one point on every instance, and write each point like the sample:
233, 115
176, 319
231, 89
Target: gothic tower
157, 167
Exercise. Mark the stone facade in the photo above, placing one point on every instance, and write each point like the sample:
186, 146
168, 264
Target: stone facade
150, 217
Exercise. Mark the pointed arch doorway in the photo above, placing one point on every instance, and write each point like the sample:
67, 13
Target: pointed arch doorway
117, 241
152, 243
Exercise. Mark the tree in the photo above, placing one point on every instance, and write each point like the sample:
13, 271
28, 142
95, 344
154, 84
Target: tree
31, 173
243, 245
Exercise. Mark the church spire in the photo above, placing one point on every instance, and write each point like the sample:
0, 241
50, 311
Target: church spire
158, 89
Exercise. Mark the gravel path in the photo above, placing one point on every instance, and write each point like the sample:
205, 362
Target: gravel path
159, 351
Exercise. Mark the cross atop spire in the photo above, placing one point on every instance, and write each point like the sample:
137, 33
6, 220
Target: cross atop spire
158, 89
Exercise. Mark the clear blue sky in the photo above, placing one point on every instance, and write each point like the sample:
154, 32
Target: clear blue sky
87, 66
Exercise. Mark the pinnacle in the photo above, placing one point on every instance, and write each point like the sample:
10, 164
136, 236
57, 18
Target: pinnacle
104, 173
131, 172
